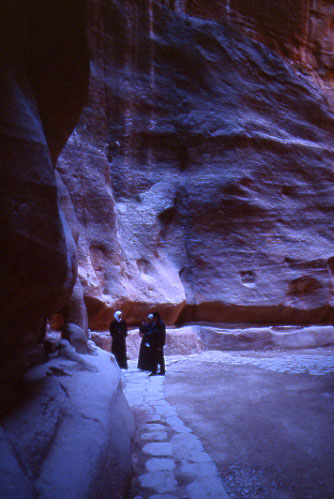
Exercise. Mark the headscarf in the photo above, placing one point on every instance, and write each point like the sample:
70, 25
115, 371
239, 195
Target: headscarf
118, 315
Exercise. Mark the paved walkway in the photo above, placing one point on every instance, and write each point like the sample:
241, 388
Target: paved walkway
170, 461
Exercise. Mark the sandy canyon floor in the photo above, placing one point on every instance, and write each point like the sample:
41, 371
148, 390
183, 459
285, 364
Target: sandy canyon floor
255, 424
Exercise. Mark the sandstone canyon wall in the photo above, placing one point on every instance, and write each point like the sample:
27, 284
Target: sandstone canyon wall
199, 181
201, 171
43, 86
66, 428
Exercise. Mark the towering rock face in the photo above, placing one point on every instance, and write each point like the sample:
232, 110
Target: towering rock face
201, 171
299, 31
71, 433
43, 84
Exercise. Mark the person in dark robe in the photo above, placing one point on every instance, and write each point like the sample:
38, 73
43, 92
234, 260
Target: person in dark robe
144, 359
118, 332
157, 341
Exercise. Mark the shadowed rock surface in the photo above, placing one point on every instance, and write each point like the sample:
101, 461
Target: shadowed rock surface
43, 84
61, 435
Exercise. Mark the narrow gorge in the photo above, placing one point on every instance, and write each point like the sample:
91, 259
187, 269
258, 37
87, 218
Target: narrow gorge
171, 155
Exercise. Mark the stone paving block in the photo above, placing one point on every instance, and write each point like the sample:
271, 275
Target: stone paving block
163, 449
207, 489
132, 387
154, 435
199, 469
154, 427
177, 424
165, 408
163, 496
154, 398
189, 447
193, 456
160, 464
161, 481
156, 419
165, 412
189, 440
152, 416
155, 380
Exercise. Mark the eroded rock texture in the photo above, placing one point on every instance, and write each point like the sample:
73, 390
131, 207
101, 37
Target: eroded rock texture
201, 171
300, 31
60, 435
43, 84
71, 436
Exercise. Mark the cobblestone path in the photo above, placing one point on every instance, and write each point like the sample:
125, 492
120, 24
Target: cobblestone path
169, 460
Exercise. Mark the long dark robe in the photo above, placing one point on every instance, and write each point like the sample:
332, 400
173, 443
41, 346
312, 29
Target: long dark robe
144, 359
118, 332
158, 340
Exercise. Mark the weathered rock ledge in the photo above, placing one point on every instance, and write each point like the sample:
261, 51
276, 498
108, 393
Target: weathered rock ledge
72, 434
196, 338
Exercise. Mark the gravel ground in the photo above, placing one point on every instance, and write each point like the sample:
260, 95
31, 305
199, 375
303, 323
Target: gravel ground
263, 418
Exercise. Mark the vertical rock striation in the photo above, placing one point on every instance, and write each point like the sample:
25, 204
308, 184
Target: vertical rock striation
299, 31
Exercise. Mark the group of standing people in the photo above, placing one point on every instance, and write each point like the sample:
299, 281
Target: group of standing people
153, 338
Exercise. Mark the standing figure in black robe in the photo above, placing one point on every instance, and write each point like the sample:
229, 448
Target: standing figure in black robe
158, 339
144, 359
118, 332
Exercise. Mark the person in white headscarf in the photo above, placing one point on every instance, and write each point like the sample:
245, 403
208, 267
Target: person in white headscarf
118, 332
